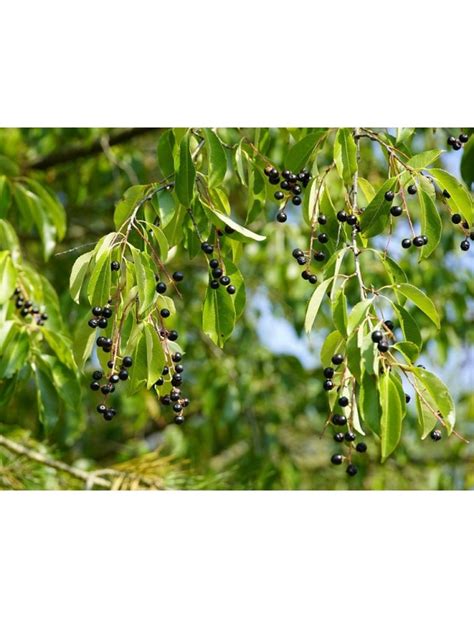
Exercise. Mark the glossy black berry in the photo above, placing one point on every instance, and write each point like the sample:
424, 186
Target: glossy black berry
456, 218
361, 447
214, 263
107, 312
446, 194
28, 304
296, 190
339, 419
109, 414
465, 225
342, 216
172, 335
101, 341
214, 284
278, 195
313, 279
165, 313
101, 408
351, 219
436, 435
110, 364
165, 371
343, 401
412, 189
123, 374
451, 140
285, 185
165, 400
174, 395
351, 470
179, 368
328, 372
178, 276
407, 398
337, 459
471, 235
177, 380
114, 378
106, 389
97, 311
296, 253
177, 407
18, 303
319, 256
389, 324
97, 375
95, 386
225, 280
328, 385
115, 265
301, 259
102, 323
418, 241
305, 275
389, 195
322, 220
217, 272
275, 180
396, 211
465, 245
179, 419
296, 200
383, 346
349, 436
281, 217
177, 356
207, 248
323, 238
406, 243
93, 323
463, 138
339, 437
159, 382
35, 310
457, 145
24, 312
424, 239
377, 336
161, 287
127, 361
337, 359
231, 289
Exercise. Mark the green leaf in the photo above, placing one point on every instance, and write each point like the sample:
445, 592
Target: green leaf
420, 299
185, 174
460, 200
345, 155
17, 347
423, 159
367, 189
138, 372
160, 239
300, 152
409, 350
32, 210
218, 316
125, 207
78, 274
61, 346
339, 312
217, 159
84, 341
392, 414
239, 298
53, 208
145, 276
5, 196
436, 395
8, 276
467, 163
369, 402
431, 224
241, 233
333, 343
358, 314
47, 397
375, 217
8, 167
427, 421
408, 325
314, 304
164, 150
404, 134
98, 289
154, 354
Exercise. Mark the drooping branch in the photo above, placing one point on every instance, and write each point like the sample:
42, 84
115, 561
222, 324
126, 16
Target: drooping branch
79, 151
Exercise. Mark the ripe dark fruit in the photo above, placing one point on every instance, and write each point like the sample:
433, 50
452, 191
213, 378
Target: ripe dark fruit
418, 241
339, 419
406, 243
328, 385
159, 382
349, 436
95, 386
214, 284
127, 361
319, 256
214, 263
101, 341
97, 375
305, 275
179, 368
351, 470
107, 312
24, 312
412, 189
174, 396
231, 289
436, 435
457, 145
179, 419
165, 371
177, 356
109, 414
471, 235
285, 185
361, 447
102, 323
351, 219
18, 303
165, 400
225, 280
177, 380
123, 374
281, 217
296, 190
296, 200
165, 313
273, 173
389, 324
337, 359
97, 311
425, 239
465, 225
278, 195
377, 336
161, 287
463, 138
275, 180
92, 323
343, 402
110, 364
337, 459
451, 140
465, 245
301, 260
389, 195
177, 407
101, 408
323, 238
456, 218
106, 389
115, 265
114, 378
342, 216
407, 398
328, 372
178, 276
217, 272
446, 194
296, 253
322, 220
313, 279
396, 211
172, 335
339, 437
383, 346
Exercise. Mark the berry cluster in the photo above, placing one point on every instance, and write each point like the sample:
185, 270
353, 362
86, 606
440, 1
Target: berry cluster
300, 257
456, 143
396, 211
218, 277
100, 319
26, 307
109, 385
343, 217
174, 377
291, 187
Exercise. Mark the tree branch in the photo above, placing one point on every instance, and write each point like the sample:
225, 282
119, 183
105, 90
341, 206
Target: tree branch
79, 151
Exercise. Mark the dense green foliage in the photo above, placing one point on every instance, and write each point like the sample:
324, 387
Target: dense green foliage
72, 201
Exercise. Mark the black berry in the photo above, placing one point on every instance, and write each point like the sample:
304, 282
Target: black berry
214, 284
178, 276
361, 447
323, 238
451, 140
92, 323
101, 408
177, 356
406, 243
396, 211
179, 419
231, 289
351, 219
377, 336
351, 470
97, 311
337, 359
278, 195
319, 256
114, 378
339, 437
343, 402
389, 324
101, 341
322, 220
456, 218
301, 260
457, 145
296, 253
172, 335
296, 200
123, 374
95, 386
107, 312
115, 265
214, 263
463, 138
97, 375
313, 279
281, 217
165, 313
328, 372
389, 195
161, 287
465, 245
412, 189
109, 414
339, 419
436, 435
225, 280
418, 241
349, 436
217, 272
127, 361
337, 459
328, 385
102, 323
383, 346
446, 194
342, 216
407, 398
